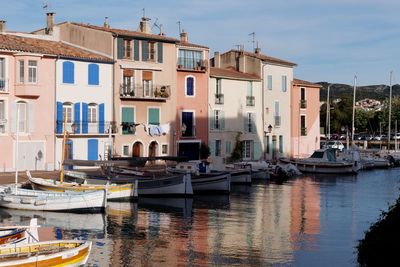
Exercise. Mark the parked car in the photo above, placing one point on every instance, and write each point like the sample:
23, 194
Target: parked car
396, 136
380, 137
335, 145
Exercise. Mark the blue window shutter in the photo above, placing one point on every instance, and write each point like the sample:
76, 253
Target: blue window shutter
145, 50
93, 149
160, 52
101, 118
77, 117
120, 48
189, 86
93, 74
84, 118
68, 72
59, 120
136, 50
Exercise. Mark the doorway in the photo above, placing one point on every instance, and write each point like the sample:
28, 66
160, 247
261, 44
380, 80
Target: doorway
137, 149
153, 149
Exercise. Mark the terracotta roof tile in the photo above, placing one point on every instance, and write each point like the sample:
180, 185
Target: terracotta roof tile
305, 83
34, 45
233, 74
268, 58
191, 45
129, 33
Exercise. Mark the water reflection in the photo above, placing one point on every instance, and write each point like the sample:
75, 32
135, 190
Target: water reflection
308, 221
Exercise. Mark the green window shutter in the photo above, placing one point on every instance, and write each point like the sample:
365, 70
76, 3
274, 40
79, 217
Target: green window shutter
136, 50
249, 89
212, 147
253, 123
212, 120
228, 147
128, 115
269, 82
160, 52
154, 116
120, 48
145, 50
246, 123
257, 150
222, 119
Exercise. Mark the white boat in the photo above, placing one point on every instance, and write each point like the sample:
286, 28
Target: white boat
162, 184
19, 234
26, 199
324, 161
114, 191
49, 253
208, 182
240, 176
259, 169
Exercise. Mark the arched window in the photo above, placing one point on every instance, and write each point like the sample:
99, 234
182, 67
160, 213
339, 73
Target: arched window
190, 86
93, 74
68, 72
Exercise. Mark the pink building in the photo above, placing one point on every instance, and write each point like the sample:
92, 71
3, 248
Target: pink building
305, 129
192, 97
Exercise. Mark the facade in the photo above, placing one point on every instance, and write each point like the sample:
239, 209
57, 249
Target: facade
192, 98
144, 83
305, 127
235, 101
277, 76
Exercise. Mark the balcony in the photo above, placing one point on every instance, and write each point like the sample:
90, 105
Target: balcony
189, 132
3, 85
192, 64
28, 90
151, 92
250, 101
303, 131
303, 103
85, 128
277, 121
219, 99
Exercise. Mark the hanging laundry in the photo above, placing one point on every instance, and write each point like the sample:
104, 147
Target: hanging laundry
154, 130
165, 128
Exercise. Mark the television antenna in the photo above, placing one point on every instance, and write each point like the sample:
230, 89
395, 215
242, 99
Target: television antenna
179, 25
253, 34
158, 26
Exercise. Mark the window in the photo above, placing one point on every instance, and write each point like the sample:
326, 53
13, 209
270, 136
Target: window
303, 127
228, 147
153, 116
147, 83
247, 149
23, 117
152, 51
68, 72
164, 149
2, 116
281, 144
190, 59
21, 68
269, 82
125, 150
2, 75
127, 50
250, 100
284, 83
67, 111
93, 74
267, 149
277, 116
303, 102
92, 113
217, 148
32, 71
128, 83
189, 86
219, 121
249, 123
128, 120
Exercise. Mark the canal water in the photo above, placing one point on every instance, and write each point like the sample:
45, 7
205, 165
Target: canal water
313, 220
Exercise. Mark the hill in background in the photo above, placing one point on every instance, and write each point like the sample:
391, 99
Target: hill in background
378, 92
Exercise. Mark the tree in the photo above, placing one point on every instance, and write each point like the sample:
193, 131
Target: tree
237, 151
204, 151
362, 119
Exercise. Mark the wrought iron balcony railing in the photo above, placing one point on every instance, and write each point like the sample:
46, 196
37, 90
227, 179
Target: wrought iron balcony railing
219, 98
85, 127
303, 103
140, 91
187, 63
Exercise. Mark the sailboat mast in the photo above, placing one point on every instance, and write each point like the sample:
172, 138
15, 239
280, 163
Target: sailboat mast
63, 149
328, 115
354, 109
16, 151
390, 107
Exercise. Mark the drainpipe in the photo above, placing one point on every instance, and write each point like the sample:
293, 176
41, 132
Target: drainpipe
55, 109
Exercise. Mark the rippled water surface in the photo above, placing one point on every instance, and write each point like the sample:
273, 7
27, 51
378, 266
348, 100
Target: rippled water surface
307, 221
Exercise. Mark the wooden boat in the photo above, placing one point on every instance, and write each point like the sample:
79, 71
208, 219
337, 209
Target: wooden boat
50, 253
26, 199
324, 161
162, 184
259, 169
19, 234
114, 191
240, 176
208, 182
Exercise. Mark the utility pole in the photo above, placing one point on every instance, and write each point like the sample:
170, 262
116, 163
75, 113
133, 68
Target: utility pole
354, 109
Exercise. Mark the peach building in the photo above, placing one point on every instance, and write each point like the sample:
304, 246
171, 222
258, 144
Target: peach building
305, 126
192, 97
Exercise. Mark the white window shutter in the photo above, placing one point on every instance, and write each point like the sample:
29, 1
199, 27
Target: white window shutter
31, 117
13, 117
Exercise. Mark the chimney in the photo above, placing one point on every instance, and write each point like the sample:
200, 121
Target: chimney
106, 24
50, 22
257, 50
144, 25
242, 64
217, 60
2, 26
184, 37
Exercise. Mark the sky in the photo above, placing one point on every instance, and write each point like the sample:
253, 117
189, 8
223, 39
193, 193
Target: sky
330, 41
